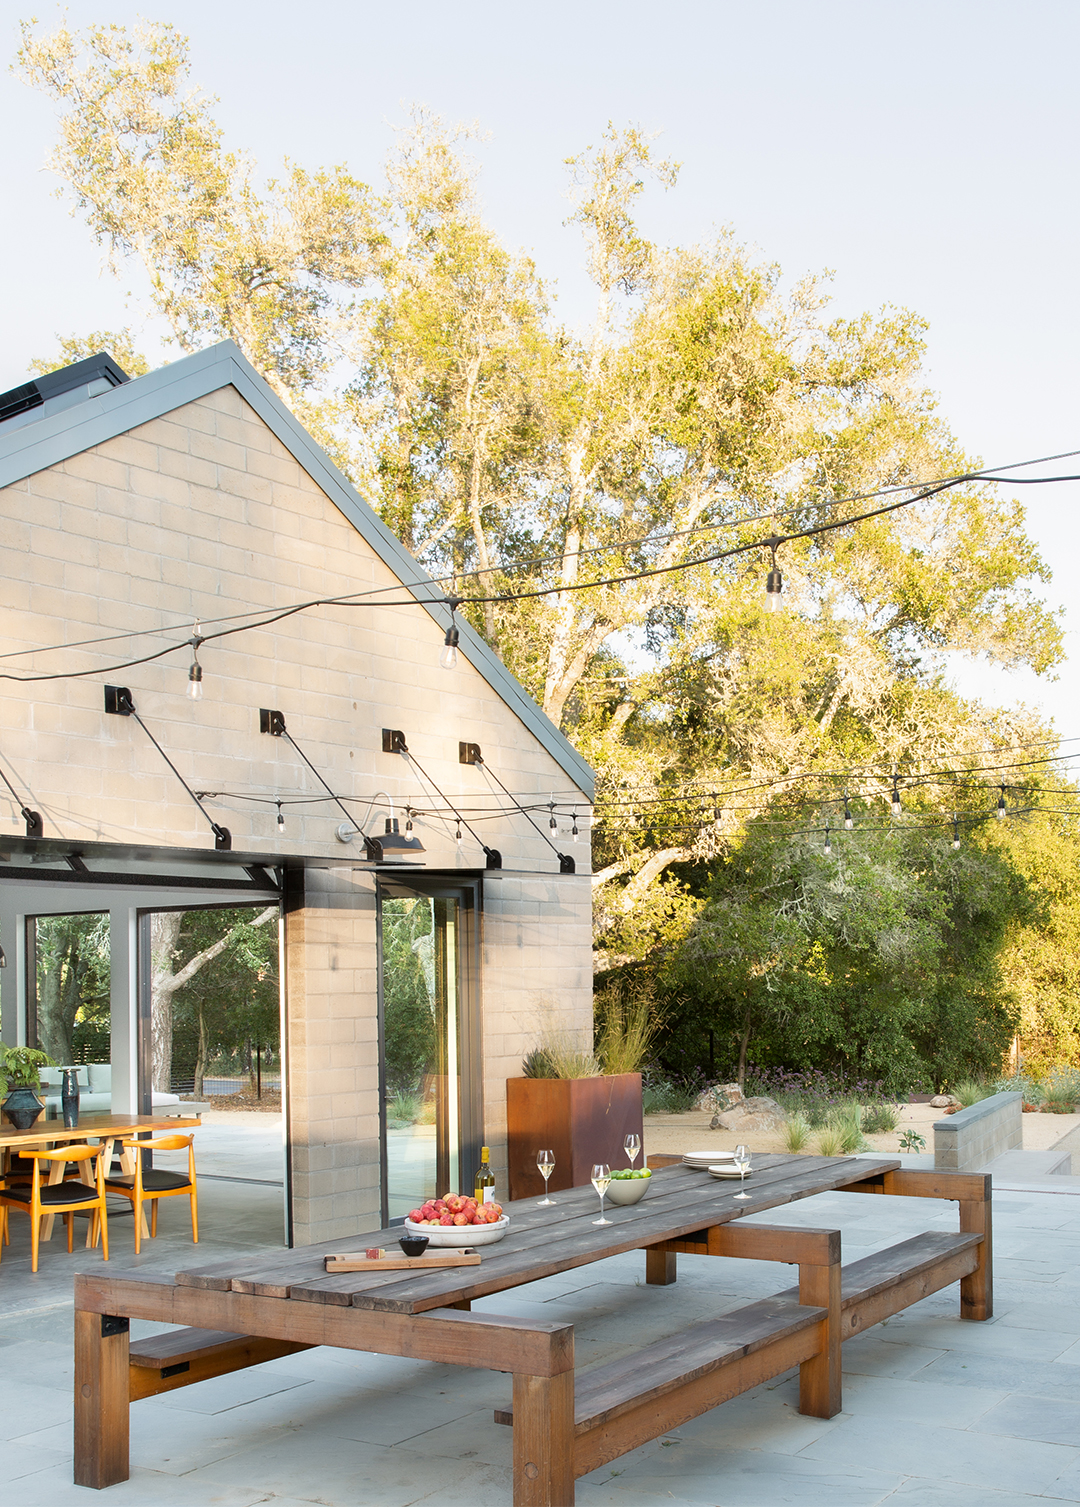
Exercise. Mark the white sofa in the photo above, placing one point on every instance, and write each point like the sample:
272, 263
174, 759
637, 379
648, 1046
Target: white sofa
95, 1090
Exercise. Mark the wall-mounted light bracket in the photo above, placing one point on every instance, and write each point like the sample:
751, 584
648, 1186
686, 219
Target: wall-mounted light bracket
469, 753
373, 849
271, 722
393, 741
118, 702
567, 864
35, 826
494, 858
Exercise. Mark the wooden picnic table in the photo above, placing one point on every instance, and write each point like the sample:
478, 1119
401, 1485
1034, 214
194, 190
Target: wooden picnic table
287, 1302
95, 1127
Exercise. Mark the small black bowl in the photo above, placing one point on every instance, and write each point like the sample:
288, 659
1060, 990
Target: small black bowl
413, 1245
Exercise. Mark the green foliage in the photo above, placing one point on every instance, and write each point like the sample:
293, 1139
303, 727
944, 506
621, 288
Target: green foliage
20, 1067
796, 1133
968, 1091
830, 1141
847, 1123
116, 343
911, 1140
410, 1033
879, 1119
537, 1064
667, 1096
72, 1006
626, 1026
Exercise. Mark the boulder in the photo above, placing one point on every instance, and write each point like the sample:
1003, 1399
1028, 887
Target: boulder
759, 1113
719, 1097
944, 1101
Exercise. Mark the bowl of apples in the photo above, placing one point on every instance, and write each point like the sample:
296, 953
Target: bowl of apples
458, 1221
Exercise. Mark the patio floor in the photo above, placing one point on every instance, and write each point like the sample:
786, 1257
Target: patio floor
936, 1412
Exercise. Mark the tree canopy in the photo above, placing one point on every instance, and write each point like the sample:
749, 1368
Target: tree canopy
576, 487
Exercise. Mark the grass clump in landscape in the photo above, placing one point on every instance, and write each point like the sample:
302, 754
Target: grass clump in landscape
797, 1133
829, 1141
558, 1055
627, 1028
880, 1119
668, 1096
970, 1091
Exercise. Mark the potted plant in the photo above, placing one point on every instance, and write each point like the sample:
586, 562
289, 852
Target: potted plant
578, 1103
20, 1071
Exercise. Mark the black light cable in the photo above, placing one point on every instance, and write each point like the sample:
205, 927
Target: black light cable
118, 703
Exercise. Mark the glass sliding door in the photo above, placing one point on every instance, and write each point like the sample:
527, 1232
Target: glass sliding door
429, 1042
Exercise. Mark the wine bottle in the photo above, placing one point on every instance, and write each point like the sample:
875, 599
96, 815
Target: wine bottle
484, 1181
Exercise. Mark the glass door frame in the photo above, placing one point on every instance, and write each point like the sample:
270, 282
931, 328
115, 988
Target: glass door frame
469, 895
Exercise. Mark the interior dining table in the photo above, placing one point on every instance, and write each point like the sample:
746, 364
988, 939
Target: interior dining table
108, 1129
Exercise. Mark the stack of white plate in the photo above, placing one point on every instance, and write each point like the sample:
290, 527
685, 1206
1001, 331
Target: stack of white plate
725, 1169
705, 1159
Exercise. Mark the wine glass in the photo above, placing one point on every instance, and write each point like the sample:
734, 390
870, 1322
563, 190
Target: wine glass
545, 1160
632, 1145
742, 1162
601, 1177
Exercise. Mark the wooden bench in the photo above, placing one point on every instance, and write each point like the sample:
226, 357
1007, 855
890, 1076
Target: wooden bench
182, 1356
640, 1396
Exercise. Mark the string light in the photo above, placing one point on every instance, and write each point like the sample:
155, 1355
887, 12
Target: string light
827, 850
280, 818
1001, 812
955, 832
848, 823
552, 823
457, 834
774, 581
194, 686
897, 808
574, 830
449, 656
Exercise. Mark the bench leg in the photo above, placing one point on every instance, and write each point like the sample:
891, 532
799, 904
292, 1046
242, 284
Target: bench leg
820, 1377
101, 1399
977, 1290
661, 1267
544, 1440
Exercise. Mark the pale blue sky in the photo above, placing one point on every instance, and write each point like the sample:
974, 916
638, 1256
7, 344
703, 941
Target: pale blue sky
926, 152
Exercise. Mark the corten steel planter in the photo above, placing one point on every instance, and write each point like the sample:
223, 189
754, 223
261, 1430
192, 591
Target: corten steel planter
583, 1120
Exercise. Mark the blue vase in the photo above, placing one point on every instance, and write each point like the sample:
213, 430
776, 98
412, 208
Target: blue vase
69, 1097
22, 1107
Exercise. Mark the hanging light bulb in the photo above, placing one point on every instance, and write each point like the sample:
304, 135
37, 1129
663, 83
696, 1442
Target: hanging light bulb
457, 834
955, 832
827, 850
848, 823
574, 830
194, 686
448, 657
408, 818
716, 812
552, 823
774, 582
280, 818
1001, 812
897, 808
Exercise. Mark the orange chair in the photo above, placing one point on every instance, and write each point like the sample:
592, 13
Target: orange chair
148, 1187
62, 1198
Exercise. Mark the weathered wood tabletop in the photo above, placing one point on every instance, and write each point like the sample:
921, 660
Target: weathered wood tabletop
540, 1241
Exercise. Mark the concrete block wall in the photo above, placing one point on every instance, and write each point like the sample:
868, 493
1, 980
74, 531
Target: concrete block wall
974, 1136
204, 514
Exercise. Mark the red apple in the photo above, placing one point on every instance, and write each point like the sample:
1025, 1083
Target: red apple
446, 1218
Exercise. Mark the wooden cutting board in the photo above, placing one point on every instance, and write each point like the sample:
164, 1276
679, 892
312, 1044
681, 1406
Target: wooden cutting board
443, 1256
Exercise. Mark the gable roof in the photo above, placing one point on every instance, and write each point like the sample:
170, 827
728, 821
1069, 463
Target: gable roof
51, 440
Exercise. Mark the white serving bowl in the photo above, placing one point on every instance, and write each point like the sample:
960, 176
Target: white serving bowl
461, 1236
627, 1190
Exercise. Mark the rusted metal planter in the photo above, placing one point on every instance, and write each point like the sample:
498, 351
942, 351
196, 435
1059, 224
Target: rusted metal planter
583, 1120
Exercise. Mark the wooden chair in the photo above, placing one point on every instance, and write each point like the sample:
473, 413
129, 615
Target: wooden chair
148, 1187
61, 1197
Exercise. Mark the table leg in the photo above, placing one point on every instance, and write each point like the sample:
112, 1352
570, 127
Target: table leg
820, 1377
661, 1266
101, 1399
544, 1440
977, 1290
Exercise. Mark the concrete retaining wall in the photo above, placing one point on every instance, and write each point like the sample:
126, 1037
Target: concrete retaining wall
974, 1136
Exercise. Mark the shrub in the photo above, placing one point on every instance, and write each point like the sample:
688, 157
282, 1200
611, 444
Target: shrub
668, 1096
627, 1027
829, 1141
969, 1091
847, 1123
879, 1118
797, 1133
911, 1140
